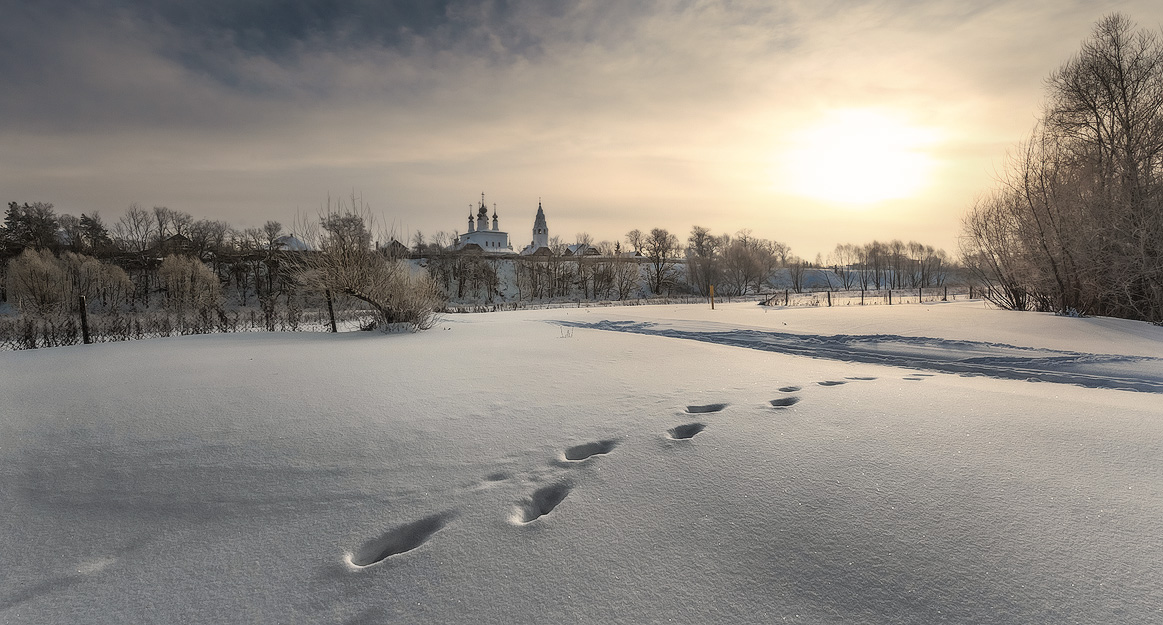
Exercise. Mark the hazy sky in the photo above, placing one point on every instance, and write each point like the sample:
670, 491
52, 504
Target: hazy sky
810, 122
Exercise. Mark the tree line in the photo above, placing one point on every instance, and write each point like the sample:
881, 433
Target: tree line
198, 274
1075, 222
187, 270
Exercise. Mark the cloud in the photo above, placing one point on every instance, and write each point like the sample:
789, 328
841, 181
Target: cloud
646, 112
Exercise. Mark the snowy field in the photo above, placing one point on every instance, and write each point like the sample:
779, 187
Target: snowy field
943, 463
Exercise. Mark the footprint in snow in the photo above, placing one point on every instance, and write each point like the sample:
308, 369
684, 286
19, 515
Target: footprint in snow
784, 402
399, 540
577, 453
541, 502
680, 432
493, 479
789, 389
912, 378
860, 378
831, 382
705, 408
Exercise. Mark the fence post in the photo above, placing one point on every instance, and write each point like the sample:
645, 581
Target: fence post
946, 297
862, 295
829, 297
331, 311
712, 297
920, 295
84, 321
890, 297
785, 297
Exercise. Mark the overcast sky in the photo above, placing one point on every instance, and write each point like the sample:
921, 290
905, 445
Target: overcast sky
617, 115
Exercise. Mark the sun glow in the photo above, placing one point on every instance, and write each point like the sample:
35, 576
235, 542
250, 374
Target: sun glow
858, 157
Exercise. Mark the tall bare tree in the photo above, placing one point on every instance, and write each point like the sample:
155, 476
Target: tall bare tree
661, 248
1083, 196
703, 254
135, 229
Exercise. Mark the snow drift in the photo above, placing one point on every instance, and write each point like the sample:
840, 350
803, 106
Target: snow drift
496, 470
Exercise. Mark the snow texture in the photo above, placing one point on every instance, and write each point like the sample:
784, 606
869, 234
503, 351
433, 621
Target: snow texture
662, 464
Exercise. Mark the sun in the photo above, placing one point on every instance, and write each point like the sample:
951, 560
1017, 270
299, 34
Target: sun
858, 157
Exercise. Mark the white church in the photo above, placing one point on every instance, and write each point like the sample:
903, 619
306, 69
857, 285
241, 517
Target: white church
481, 236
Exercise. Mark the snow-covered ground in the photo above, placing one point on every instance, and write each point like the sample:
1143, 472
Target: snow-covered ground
635, 465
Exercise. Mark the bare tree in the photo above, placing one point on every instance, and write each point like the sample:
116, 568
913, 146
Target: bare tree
797, 268
636, 239
180, 223
37, 282
135, 229
346, 263
101, 284
703, 254
750, 262
661, 248
1082, 195
191, 288
208, 238
993, 249
69, 232
844, 257
161, 216
627, 276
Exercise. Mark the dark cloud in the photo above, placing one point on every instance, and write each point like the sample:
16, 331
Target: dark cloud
200, 35
279, 28
659, 107
213, 37
103, 63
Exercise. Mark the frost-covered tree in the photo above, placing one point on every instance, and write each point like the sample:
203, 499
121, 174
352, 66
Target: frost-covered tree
345, 262
37, 282
703, 255
1082, 198
190, 286
102, 284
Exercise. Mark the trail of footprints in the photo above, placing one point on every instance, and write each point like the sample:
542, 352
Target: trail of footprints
543, 500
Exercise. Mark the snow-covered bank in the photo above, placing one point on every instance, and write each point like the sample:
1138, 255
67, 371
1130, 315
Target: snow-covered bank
971, 358
508, 471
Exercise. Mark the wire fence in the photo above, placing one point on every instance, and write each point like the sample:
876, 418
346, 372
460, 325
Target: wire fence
786, 297
569, 303
18, 332
870, 297
57, 330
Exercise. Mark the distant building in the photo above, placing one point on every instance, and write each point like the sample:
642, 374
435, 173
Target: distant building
490, 238
393, 249
174, 244
290, 243
540, 244
480, 236
582, 249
